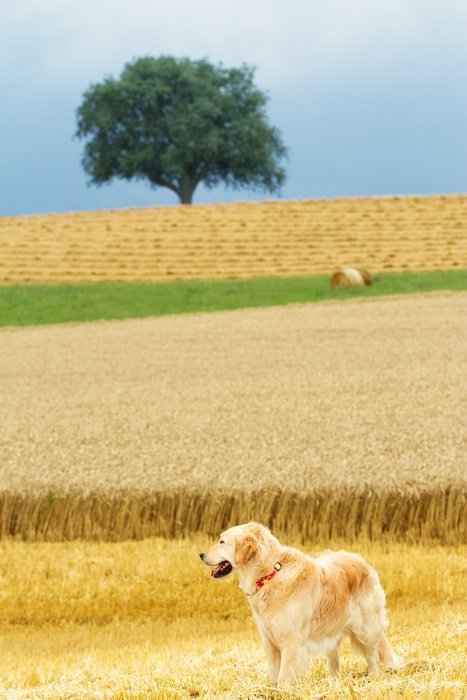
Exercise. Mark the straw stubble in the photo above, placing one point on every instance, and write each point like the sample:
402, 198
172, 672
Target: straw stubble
240, 240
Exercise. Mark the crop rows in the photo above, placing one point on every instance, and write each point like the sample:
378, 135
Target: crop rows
233, 241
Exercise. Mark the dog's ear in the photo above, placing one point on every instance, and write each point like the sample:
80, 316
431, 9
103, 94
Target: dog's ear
245, 548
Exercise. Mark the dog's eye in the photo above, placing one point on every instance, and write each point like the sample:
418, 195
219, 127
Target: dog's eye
221, 542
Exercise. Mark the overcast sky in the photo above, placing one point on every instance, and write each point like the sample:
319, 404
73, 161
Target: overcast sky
370, 95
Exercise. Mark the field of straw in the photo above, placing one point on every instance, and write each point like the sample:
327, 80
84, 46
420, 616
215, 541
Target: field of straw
239, 240
329, 420
143, 620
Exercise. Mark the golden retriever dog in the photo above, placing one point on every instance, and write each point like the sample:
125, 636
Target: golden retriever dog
304, 605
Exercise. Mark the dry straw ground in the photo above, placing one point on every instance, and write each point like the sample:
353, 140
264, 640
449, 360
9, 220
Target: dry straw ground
144, 620
237, 240
325, 420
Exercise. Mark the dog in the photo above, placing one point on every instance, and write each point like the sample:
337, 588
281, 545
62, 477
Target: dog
304, 605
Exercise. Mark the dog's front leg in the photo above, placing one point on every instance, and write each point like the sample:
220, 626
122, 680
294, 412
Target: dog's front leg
293, 663
273, 657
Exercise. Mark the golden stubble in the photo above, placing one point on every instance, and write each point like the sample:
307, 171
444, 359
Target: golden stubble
144, 619
235, 241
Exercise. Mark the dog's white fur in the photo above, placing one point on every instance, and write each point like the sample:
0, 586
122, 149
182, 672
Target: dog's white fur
309, 605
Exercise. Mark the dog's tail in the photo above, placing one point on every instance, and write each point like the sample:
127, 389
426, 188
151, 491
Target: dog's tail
387, 657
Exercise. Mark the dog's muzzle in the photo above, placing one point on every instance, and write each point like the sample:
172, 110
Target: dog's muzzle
218, 570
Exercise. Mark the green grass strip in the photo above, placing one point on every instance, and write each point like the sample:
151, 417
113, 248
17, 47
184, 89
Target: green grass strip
24, 305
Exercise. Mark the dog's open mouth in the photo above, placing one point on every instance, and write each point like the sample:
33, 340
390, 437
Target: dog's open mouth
222, 569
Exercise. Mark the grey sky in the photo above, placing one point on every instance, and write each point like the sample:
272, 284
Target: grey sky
370, 95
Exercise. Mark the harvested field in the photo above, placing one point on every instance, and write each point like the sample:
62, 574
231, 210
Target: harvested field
240, 240
328, 420
116, 621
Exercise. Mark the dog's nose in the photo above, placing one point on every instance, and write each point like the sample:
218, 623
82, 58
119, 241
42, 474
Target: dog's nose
201, 556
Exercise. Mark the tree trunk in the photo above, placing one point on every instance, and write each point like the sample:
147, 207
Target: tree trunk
185, 193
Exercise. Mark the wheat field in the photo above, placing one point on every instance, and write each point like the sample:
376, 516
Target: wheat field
239, 240
328, 420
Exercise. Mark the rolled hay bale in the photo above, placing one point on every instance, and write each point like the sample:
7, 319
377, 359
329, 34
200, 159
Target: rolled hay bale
351, 277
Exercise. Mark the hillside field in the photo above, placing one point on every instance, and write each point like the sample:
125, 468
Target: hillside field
236, 241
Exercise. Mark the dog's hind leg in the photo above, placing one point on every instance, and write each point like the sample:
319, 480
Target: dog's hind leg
377, 654
386, 654
370, 652
372, 659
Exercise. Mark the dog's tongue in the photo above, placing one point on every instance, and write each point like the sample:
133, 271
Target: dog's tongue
216, 569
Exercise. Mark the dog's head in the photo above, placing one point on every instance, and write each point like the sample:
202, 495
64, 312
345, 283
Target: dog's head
237, 547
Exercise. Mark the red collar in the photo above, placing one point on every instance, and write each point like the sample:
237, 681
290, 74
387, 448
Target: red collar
263, 581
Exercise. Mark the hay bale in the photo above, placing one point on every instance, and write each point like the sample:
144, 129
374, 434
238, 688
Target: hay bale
351, 277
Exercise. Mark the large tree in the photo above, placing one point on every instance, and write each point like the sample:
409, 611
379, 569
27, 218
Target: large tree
176, 123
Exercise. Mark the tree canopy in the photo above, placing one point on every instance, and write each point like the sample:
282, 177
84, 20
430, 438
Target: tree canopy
177, 123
